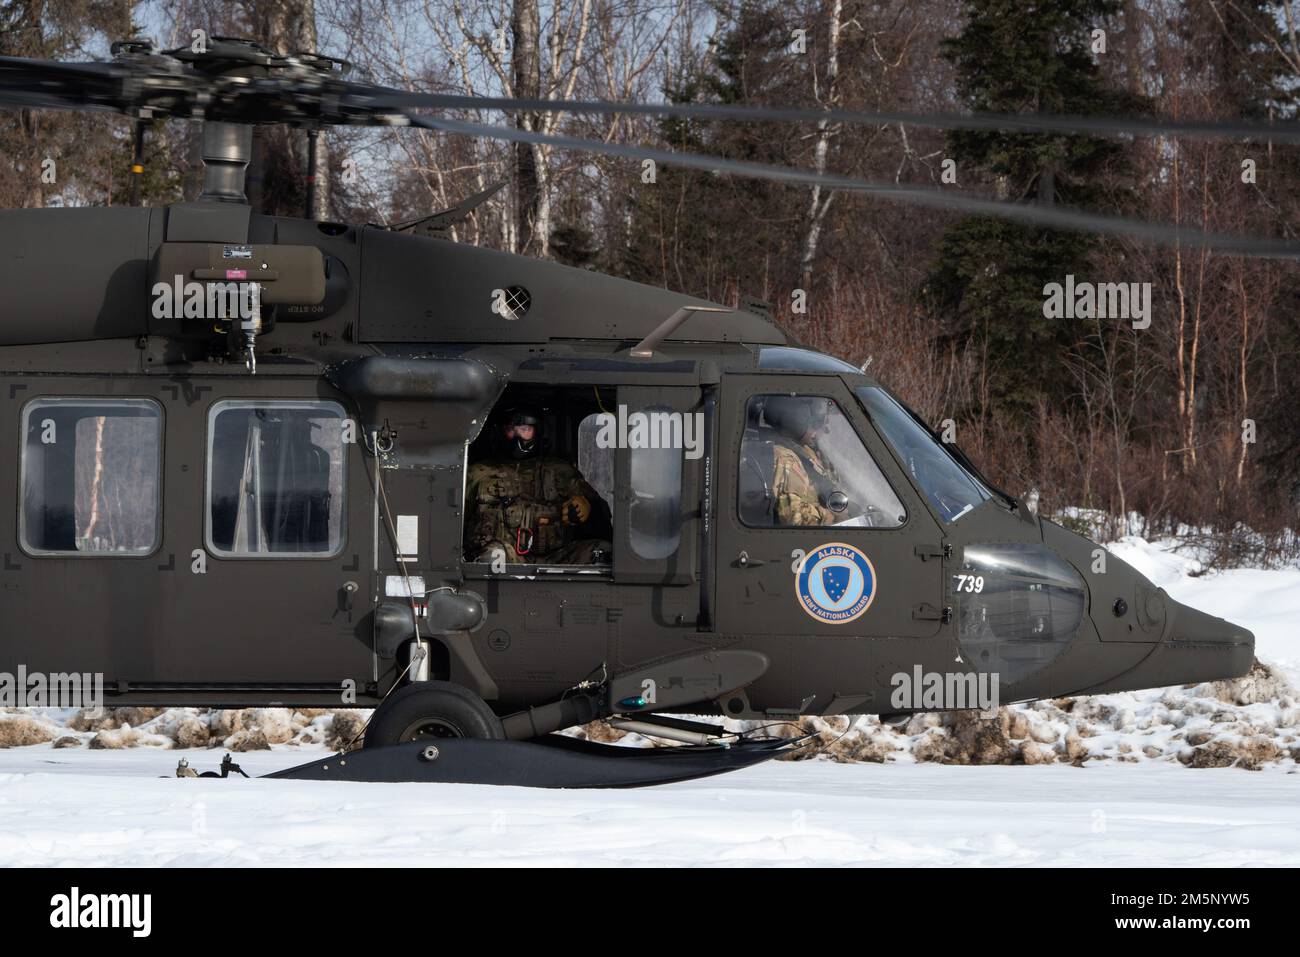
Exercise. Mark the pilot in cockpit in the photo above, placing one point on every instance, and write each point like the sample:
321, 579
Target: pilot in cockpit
802, 463
802, 476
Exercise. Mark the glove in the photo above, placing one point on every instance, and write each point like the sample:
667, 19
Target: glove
576, 510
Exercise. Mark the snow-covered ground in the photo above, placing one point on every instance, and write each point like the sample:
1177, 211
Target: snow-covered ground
1123, 806
82, 807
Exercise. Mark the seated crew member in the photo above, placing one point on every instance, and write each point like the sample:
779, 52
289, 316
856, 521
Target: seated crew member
530, 507
802, 477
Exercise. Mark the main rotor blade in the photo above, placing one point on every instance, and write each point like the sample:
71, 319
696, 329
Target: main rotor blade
1050, 216
295, 93
168, 84
1010, 122
49, 84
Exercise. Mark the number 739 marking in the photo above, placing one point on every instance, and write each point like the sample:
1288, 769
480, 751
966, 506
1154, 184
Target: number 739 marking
971, 583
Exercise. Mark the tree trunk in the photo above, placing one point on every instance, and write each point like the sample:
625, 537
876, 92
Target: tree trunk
817, 207
532, 208
320, 207
278, 185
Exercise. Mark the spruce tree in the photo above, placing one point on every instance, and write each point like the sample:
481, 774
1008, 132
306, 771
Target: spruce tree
1017, 57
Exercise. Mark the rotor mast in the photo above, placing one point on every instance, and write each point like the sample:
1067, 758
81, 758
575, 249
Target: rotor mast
225, 151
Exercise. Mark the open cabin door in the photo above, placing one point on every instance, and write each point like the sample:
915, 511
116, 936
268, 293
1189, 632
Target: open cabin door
657, 485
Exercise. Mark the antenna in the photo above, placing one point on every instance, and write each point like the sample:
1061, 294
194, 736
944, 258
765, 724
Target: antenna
645, 349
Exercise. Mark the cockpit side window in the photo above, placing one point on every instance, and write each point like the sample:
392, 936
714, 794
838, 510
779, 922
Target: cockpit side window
950, 488
802, 463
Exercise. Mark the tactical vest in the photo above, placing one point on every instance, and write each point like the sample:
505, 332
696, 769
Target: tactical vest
520, 505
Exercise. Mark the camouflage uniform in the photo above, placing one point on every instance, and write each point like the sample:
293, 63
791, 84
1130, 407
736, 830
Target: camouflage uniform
520, 508
799, 477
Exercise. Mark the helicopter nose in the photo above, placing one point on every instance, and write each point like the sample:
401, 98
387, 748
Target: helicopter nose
1193, 647
1190, 628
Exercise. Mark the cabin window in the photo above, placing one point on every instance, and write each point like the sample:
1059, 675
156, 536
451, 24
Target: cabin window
275, 480
595, 461
802, 463
655, 470
90, 476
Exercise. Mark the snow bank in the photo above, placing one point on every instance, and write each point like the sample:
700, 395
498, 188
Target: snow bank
247, 729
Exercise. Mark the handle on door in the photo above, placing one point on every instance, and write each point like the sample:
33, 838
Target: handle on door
744, 561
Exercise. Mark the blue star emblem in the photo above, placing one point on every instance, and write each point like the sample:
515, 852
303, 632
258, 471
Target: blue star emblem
836, 580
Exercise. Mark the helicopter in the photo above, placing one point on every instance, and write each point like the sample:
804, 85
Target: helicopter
241, 446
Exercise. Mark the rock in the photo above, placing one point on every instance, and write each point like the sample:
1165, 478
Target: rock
599, 731
858, 747
1043, 733
975, 740
1172, 700
347, 726
248, 740
112, 739
1151, 751
191, 733
87, 720
136, 717
21, 731
1218, 754
1074, 748
1258, 751
921, 723
1018, 726
67, 741
930, 747
274, 723
1260, 684
1250, 754
222, 724
1199, 737
1033, 753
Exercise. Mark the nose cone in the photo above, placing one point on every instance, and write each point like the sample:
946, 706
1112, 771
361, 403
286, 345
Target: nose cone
1227, 649
1129, 611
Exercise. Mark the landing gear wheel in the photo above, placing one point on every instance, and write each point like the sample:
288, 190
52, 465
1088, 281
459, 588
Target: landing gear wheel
430, 710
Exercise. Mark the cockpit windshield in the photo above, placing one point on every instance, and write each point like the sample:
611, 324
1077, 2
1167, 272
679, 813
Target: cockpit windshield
950, 487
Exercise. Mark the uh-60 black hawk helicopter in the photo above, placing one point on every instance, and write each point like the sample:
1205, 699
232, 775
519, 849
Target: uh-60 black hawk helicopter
268, 505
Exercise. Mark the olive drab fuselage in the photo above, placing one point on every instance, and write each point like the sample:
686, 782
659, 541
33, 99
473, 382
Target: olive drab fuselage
277, 528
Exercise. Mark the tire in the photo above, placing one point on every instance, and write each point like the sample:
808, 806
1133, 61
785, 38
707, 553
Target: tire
427, 710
